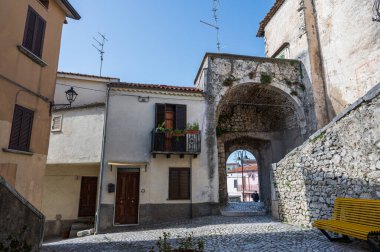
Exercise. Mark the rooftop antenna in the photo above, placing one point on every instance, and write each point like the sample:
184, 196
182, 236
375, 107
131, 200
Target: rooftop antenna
100, 49
215, 4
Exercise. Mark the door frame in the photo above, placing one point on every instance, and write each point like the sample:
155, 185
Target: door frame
80, 195
114, 198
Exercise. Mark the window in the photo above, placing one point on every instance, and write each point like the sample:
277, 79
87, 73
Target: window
235, 183
179, 183
174, 115
34, 32
21, 131
56, 123
282, 52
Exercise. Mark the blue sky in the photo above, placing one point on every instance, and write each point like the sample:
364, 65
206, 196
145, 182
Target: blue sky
161, 41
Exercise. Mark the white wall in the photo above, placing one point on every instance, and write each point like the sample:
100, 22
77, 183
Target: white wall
288, 25
90, 89
128, 140
80, 140
350, 43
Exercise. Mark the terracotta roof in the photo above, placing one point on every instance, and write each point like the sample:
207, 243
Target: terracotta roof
268, 17
86, 75
155, 86
248, 168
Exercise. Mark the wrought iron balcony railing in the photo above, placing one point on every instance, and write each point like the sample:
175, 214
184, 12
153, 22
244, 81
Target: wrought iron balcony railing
172, 143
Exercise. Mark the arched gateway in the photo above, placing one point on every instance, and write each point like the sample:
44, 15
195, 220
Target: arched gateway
258, 104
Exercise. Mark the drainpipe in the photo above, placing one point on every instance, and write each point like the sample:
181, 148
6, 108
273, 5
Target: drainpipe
191, 187
102, 164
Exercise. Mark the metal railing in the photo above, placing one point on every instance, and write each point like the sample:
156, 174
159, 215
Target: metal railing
172, 143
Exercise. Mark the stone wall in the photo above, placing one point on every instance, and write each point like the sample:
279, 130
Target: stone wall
19, 219
340, 160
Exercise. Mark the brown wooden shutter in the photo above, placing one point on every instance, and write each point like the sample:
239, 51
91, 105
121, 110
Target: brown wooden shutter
179, 183
39, 40
21, 131
184, 184
173, 183
180, 117
34, 32
160, 114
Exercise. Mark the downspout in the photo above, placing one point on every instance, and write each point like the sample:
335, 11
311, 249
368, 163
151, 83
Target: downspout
191, 187
102, 165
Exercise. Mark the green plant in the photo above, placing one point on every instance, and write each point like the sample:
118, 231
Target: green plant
187, 243
265, 78
229, 81
161, 127
319, 137
302, 86
294, 92
219, 131
192, 126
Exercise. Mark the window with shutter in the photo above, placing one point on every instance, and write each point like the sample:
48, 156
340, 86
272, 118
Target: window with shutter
34, 32
179, 183
164, 112
56, 123
21, 131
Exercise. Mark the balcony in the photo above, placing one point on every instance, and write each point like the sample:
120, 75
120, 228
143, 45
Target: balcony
169, 143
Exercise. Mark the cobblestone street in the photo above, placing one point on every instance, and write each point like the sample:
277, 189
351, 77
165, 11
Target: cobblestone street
220, 233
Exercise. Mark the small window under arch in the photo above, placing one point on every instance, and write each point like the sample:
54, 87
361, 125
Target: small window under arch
45, 3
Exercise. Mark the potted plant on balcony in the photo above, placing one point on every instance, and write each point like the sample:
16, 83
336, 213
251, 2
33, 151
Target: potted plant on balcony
192, 128
161, 128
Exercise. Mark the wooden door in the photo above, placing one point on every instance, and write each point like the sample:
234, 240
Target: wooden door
87, 202
127, 197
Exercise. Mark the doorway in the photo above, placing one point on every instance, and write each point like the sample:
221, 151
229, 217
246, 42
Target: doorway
242, 176
87, 201
127, 196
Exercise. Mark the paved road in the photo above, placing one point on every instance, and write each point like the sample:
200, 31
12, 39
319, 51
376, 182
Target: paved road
259, 233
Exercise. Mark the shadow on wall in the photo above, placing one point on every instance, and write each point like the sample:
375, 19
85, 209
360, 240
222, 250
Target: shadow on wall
21, 225
341, 160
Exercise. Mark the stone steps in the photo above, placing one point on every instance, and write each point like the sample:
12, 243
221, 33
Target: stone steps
78, 228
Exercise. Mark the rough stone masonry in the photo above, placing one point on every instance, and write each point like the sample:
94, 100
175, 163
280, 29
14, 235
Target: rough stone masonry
340, 160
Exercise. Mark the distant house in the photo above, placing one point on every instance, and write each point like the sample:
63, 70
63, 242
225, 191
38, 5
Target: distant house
30, 39
235, 182
71, 178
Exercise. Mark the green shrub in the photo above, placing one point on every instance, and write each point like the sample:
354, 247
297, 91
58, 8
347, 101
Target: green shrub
265, 78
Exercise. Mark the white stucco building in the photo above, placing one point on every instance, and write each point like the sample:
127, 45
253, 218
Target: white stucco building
70, 183
235, 177
150, 174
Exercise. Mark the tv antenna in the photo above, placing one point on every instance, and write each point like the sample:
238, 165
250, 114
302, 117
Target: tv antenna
100, 49
215, 4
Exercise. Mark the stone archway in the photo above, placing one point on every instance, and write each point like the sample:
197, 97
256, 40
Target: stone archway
261, 119
262, 104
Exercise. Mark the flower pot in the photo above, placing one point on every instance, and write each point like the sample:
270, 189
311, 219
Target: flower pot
192, 132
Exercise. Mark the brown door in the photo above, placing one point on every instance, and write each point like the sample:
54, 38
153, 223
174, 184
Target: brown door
127, 197
87, 202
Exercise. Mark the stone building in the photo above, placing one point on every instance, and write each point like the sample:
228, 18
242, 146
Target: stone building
262, 105
73, 161
338, 43
30, 39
